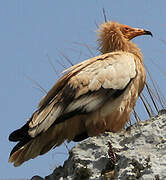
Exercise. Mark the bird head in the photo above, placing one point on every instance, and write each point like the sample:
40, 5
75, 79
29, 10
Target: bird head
113, 36
130, 33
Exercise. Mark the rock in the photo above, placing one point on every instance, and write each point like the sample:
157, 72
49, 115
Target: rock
140, 154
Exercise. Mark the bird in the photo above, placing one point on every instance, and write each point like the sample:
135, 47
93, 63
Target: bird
91, 97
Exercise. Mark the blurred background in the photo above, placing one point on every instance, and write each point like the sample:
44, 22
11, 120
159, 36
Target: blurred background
37, 36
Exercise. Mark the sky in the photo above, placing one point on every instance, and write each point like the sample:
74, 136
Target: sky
36, 34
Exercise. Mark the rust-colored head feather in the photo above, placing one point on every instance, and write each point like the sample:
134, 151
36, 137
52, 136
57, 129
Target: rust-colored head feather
116, 37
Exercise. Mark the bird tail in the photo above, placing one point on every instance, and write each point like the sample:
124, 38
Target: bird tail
39, 145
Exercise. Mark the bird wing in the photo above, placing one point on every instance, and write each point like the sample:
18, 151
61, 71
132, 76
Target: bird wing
83, 89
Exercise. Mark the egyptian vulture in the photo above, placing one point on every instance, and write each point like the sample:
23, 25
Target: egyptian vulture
92, 97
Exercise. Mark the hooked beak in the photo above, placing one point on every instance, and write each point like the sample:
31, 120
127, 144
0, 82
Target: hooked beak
147, 33
138, 32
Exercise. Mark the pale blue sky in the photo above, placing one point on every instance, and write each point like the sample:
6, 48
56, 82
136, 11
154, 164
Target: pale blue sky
32, 30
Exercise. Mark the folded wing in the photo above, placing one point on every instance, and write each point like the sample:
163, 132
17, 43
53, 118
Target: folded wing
88, 85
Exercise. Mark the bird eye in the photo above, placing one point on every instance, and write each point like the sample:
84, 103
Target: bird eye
126, 28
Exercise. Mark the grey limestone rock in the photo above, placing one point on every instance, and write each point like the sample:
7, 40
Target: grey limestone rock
140, 154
